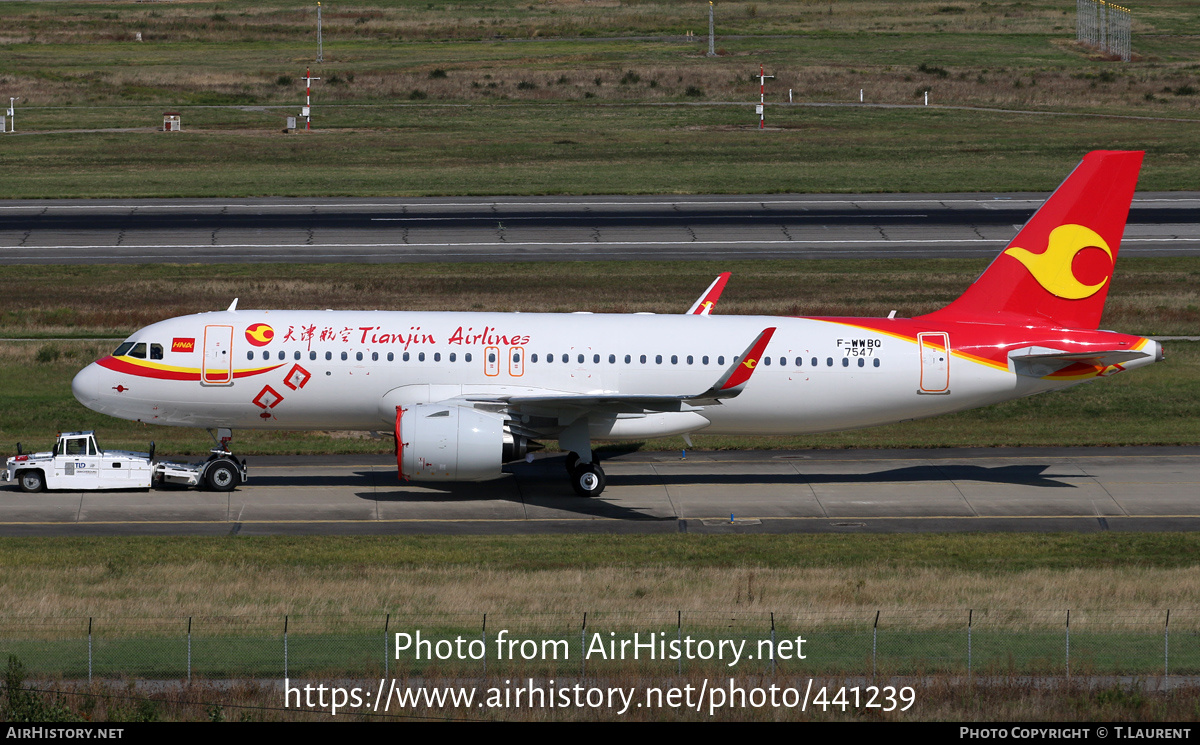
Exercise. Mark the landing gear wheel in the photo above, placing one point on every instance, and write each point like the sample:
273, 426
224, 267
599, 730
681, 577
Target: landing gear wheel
221, 476
572, 462
32, 481
588, 479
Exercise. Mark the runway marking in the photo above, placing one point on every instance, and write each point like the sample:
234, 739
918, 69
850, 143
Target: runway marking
748, 201
611, 218
597, 518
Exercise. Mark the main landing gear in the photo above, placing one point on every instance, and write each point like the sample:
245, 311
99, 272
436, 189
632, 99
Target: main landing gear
587, 479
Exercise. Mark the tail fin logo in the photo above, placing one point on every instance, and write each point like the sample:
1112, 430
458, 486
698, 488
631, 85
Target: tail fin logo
1052, 268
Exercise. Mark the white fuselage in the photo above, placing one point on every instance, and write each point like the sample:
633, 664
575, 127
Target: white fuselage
351, 369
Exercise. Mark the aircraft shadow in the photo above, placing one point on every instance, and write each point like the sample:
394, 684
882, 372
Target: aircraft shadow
543, 483
1031, 475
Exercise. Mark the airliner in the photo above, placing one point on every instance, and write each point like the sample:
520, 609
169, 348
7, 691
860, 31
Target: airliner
465, 393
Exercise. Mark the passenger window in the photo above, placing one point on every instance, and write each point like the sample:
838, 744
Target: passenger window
467, 356
783, 361
767, 360
566, 358
328, 356
312, 355
374, 356
406, 357
845, 362
491, 356
420, 357
453, 356
437, 356
799, 362
249, 355
296, 356
612, 359
156, 351
643, 359
282, 356
345, 356
358, 356
829, 362
266, 355
549, 358
595, 359
721, 360
628, 359
876, 362
580, 358
814, 362
391, 356
861, 362
533, 358
674, 359
658, 359
689, 359
139, 351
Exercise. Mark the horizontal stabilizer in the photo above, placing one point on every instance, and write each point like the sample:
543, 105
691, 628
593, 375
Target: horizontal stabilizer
1042, 364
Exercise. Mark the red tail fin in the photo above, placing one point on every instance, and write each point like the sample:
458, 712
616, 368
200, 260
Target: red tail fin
1058, 268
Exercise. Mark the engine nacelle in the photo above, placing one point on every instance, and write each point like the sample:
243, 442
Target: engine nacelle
444, 442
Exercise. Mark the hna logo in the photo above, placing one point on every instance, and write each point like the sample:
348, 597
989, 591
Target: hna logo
260, 334
183, 345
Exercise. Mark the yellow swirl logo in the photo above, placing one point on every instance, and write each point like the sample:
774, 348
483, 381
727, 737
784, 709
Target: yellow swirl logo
750, 363
1052, 267
260, 334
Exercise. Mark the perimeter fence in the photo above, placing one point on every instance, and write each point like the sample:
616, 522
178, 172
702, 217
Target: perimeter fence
852, 642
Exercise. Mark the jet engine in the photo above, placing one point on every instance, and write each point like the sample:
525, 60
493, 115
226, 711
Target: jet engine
446, 442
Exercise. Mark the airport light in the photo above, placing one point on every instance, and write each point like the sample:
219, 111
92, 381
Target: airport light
320, 45
712, 49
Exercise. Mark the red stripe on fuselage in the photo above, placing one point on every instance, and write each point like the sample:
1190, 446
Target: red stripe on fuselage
992, 343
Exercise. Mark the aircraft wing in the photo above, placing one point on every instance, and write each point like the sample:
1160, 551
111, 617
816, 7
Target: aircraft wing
708, 300
731, 383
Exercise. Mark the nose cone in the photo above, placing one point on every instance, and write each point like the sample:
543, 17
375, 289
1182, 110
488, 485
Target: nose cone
86, 386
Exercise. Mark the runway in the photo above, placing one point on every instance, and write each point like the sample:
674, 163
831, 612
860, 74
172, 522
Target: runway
721, 228
845, 491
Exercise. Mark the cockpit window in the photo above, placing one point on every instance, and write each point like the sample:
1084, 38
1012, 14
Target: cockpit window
156, 351
123, 349
139, 350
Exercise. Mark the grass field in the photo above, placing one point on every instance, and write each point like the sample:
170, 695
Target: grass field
568, 97
141, 596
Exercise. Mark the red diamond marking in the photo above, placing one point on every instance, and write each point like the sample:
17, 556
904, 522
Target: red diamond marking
267, 398
296, 377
